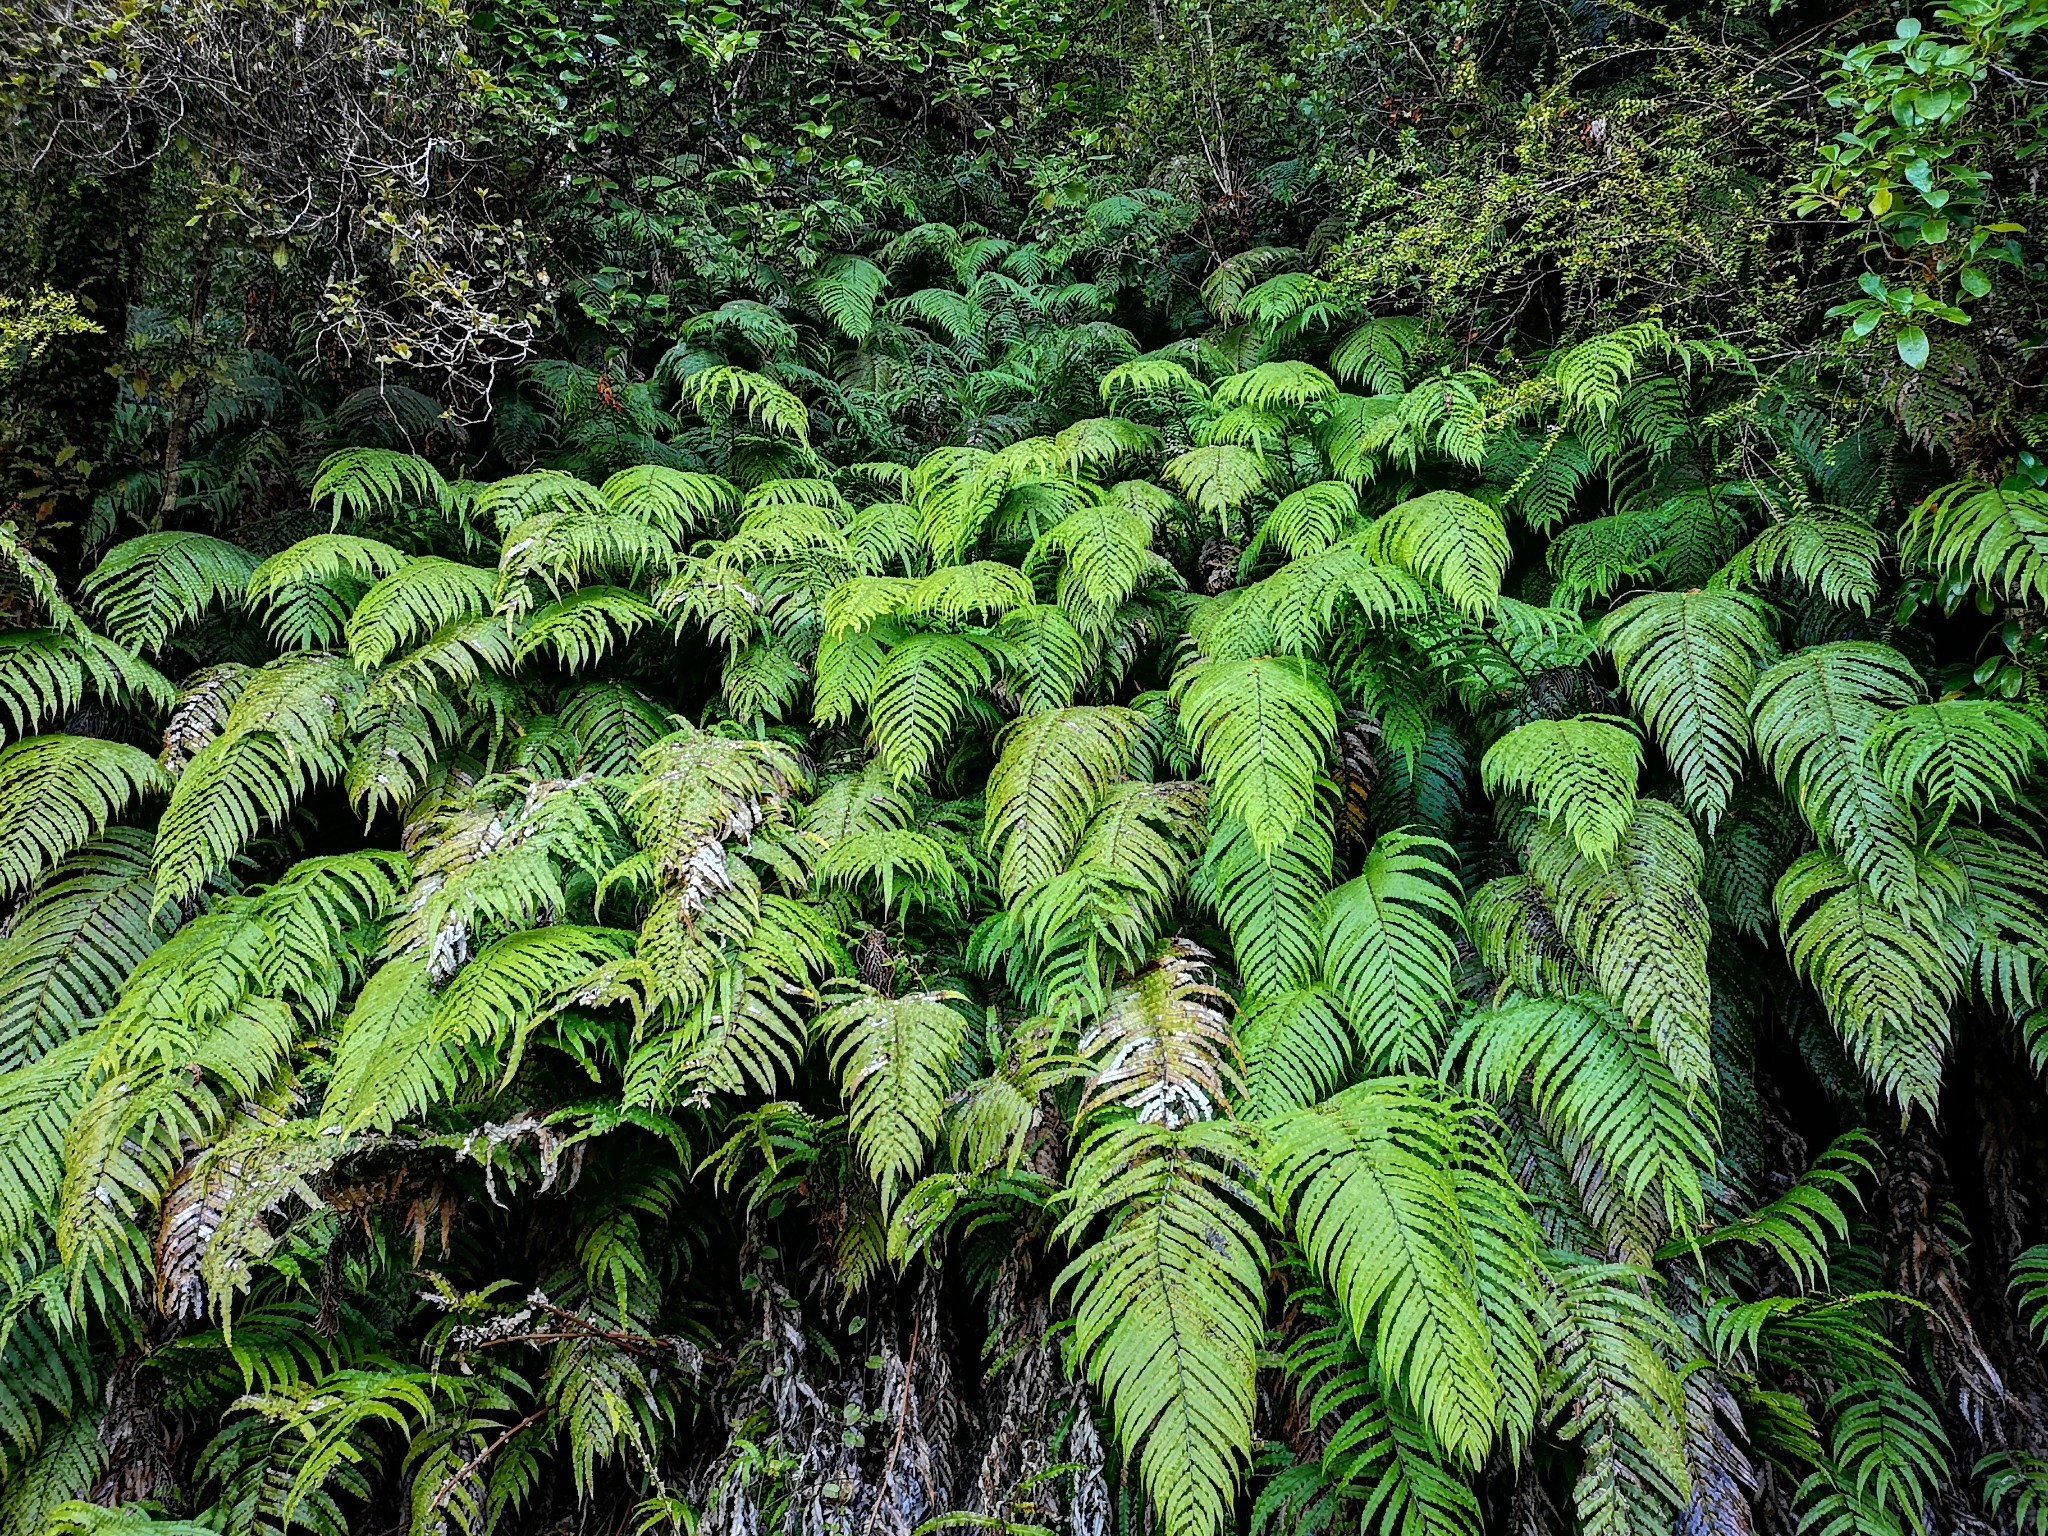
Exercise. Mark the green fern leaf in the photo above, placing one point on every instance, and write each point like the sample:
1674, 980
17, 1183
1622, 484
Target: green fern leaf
1997, 535
1688, 661
1051, 773
1451, 541
1888, 976
1580, 772
895, 1057
1641, 927
59, 792
1602, 1079
412, 603
1956, 753
1389, 941
149, 586
921, 690
1412, 1221
1814, 715
87, 925
1177, 1276
370, 482
1267, 900
1263, 729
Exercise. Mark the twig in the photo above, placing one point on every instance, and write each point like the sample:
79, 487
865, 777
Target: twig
481, 1457
902, 1418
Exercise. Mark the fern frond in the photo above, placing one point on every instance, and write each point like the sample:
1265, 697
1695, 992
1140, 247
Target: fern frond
1263, 729
59, 792
1451, 541
412, 603
1641, 927
367, 482
584, 627
722, 392
1956, 753
1688, 661
1994, 534
1580, 772
1267, 901
149, 586
1276, 386
1177, 1276
1410, 1217
987, 589
1889, 976
673, 502
87, 925
283, 736
1376, 354
45, 674
1389, 941
895, 1057
1814, 715
921, 690
1590, 1071
1162, 1047
305, 592
846, 290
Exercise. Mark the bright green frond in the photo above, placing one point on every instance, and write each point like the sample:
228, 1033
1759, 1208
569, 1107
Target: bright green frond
147, 587
1389, 942
58, 792
1451, 541
1580, 772
1602, 1080
1888, 975
1263, 728
1814, 715
895, 1057
1689, 663
1411, 1221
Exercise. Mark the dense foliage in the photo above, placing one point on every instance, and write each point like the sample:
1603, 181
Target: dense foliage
810, 770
